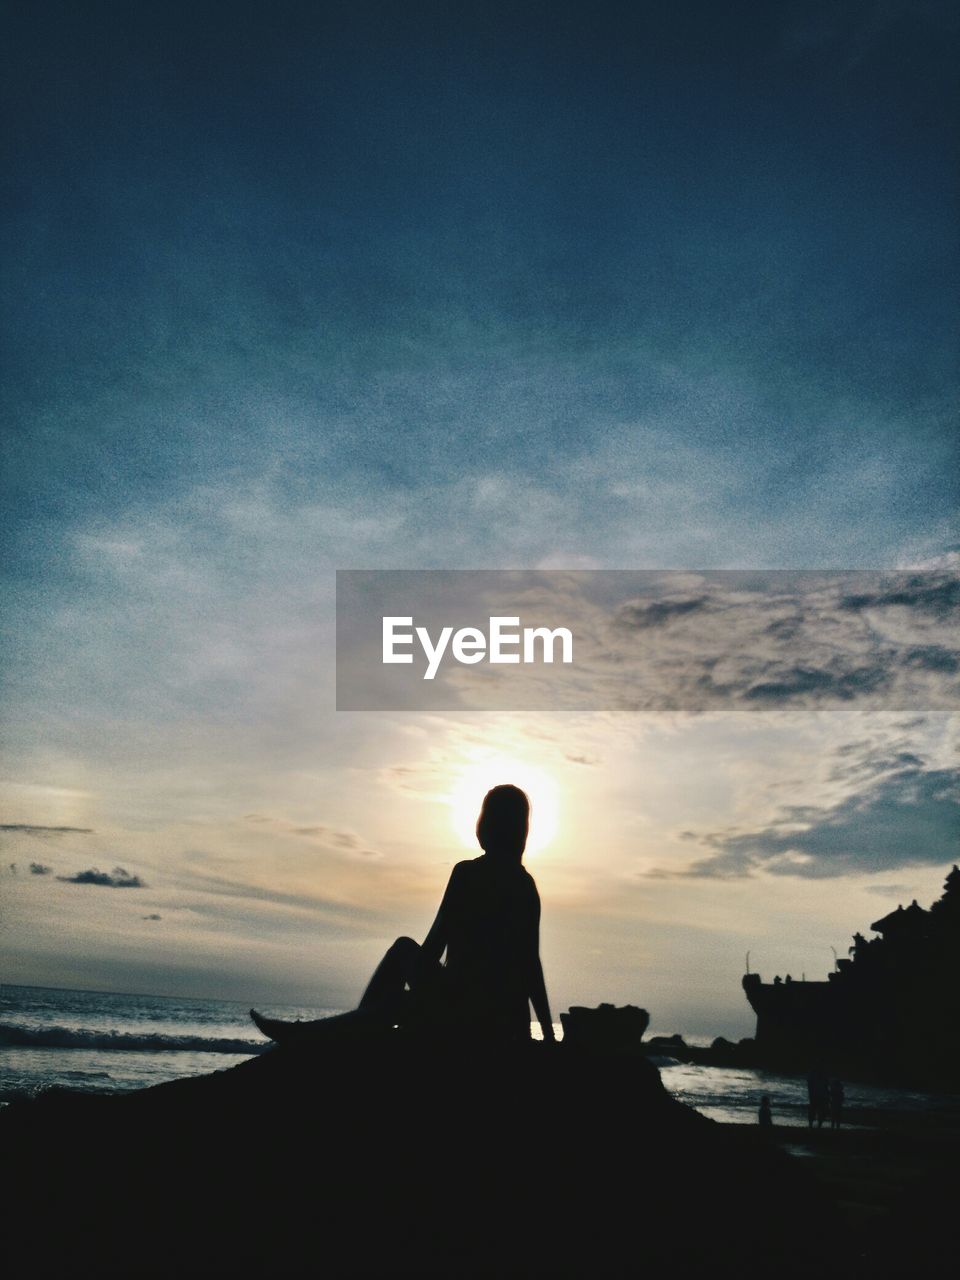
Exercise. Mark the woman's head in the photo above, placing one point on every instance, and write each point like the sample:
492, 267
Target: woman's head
504, 822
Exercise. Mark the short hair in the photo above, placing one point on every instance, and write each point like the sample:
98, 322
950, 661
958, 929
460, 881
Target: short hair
504, 821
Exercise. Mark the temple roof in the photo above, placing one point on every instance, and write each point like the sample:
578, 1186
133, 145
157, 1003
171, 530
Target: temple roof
902, 918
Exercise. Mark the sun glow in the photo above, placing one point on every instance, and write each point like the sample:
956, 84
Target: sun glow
475, 779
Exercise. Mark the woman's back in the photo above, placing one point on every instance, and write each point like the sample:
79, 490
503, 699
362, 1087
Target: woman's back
491, 918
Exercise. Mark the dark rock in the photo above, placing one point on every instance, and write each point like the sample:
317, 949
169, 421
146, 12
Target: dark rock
605, 1027
392, 1157
668, 1042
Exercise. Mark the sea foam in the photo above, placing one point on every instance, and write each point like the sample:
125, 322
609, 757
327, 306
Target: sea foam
16, 1034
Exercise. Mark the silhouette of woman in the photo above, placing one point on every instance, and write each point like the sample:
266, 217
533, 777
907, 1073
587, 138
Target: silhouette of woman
488, 924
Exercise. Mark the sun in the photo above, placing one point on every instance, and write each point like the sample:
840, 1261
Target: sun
475, 779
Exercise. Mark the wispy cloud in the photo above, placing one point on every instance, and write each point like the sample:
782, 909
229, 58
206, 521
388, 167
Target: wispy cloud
331, 837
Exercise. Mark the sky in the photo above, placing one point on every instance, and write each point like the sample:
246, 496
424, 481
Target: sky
292, 288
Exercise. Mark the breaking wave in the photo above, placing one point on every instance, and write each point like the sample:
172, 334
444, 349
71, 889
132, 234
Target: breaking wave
12, 1033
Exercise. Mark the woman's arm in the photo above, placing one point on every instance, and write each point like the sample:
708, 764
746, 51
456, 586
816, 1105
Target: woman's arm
436, 940
537, 988
541, 1005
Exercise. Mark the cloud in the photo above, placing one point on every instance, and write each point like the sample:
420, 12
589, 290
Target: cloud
908, 817
938, 596
780, 640
863, 762
885, 890
332, 837
640, 616
794, 683
29, 829
933, 657
39, 869
200, 883
117, 879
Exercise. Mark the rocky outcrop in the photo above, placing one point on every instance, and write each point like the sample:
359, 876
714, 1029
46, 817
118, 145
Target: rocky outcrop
605, 1027
393, 1157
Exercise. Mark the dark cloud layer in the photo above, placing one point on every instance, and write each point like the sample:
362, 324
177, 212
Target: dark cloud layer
30, 829
116, 879
794, 683
909, 817
939, 597
788, 640
639, 616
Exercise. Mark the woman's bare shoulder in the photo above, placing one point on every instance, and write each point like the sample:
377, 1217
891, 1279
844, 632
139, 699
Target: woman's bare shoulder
464, 869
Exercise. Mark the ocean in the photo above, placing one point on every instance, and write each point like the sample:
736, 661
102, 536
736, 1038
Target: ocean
106, 1042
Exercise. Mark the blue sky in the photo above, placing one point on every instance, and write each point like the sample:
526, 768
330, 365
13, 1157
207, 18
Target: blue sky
305, 286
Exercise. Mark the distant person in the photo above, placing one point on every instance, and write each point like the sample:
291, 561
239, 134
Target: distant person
765, 1115
488, 924
818, 1094
836, 1103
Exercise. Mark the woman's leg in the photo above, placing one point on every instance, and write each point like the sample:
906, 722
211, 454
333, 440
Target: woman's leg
379, 1007
308, 1032
400, 967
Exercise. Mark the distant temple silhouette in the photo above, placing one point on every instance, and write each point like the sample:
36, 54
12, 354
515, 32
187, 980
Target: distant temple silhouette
893, 1005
